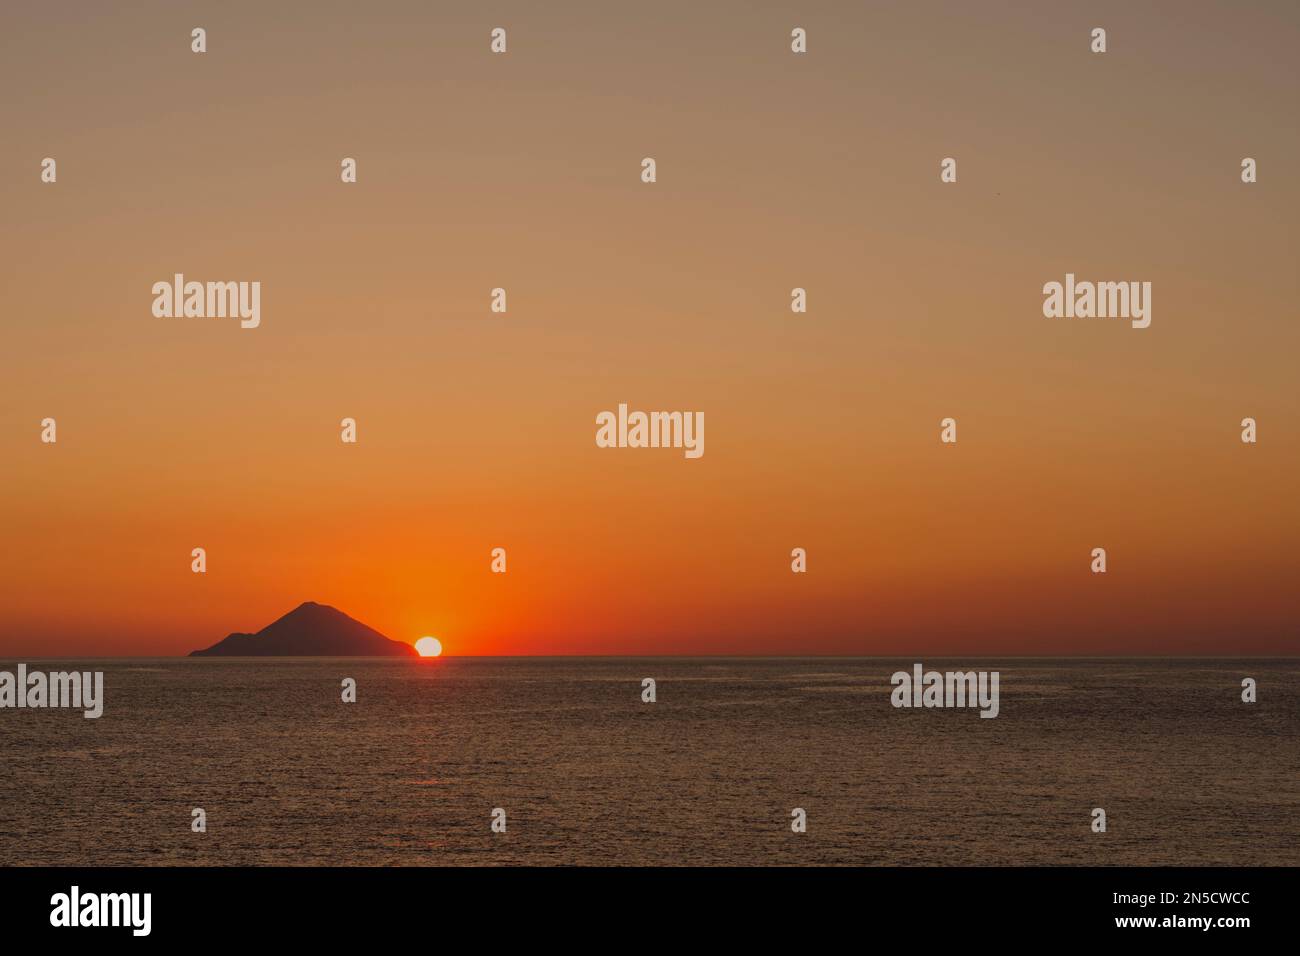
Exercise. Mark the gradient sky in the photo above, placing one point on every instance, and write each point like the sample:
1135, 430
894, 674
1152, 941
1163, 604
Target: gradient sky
477, 430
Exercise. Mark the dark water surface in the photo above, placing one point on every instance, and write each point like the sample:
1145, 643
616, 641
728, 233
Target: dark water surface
588, 774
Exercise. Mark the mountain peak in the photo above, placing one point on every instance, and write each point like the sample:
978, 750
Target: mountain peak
310, 630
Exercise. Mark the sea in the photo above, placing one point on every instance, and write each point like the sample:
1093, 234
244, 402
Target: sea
582, 771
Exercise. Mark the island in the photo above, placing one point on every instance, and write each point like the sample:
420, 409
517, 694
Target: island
310, 630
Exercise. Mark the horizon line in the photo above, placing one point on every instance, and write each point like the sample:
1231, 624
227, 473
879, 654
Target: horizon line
364, 657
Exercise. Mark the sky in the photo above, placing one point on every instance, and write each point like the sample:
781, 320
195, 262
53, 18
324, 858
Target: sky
774, 171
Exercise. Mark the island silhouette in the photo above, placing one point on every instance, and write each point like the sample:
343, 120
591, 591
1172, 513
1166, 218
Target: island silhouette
310, 630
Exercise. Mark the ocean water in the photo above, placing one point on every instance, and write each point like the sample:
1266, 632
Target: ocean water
708, 774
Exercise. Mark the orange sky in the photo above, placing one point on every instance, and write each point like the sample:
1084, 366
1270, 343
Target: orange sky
477, 430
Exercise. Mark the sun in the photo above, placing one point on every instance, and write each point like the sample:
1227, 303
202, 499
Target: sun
428, 647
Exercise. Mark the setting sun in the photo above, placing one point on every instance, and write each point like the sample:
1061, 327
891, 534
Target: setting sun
428, 647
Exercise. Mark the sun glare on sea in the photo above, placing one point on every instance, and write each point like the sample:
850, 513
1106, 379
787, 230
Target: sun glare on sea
428, 647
